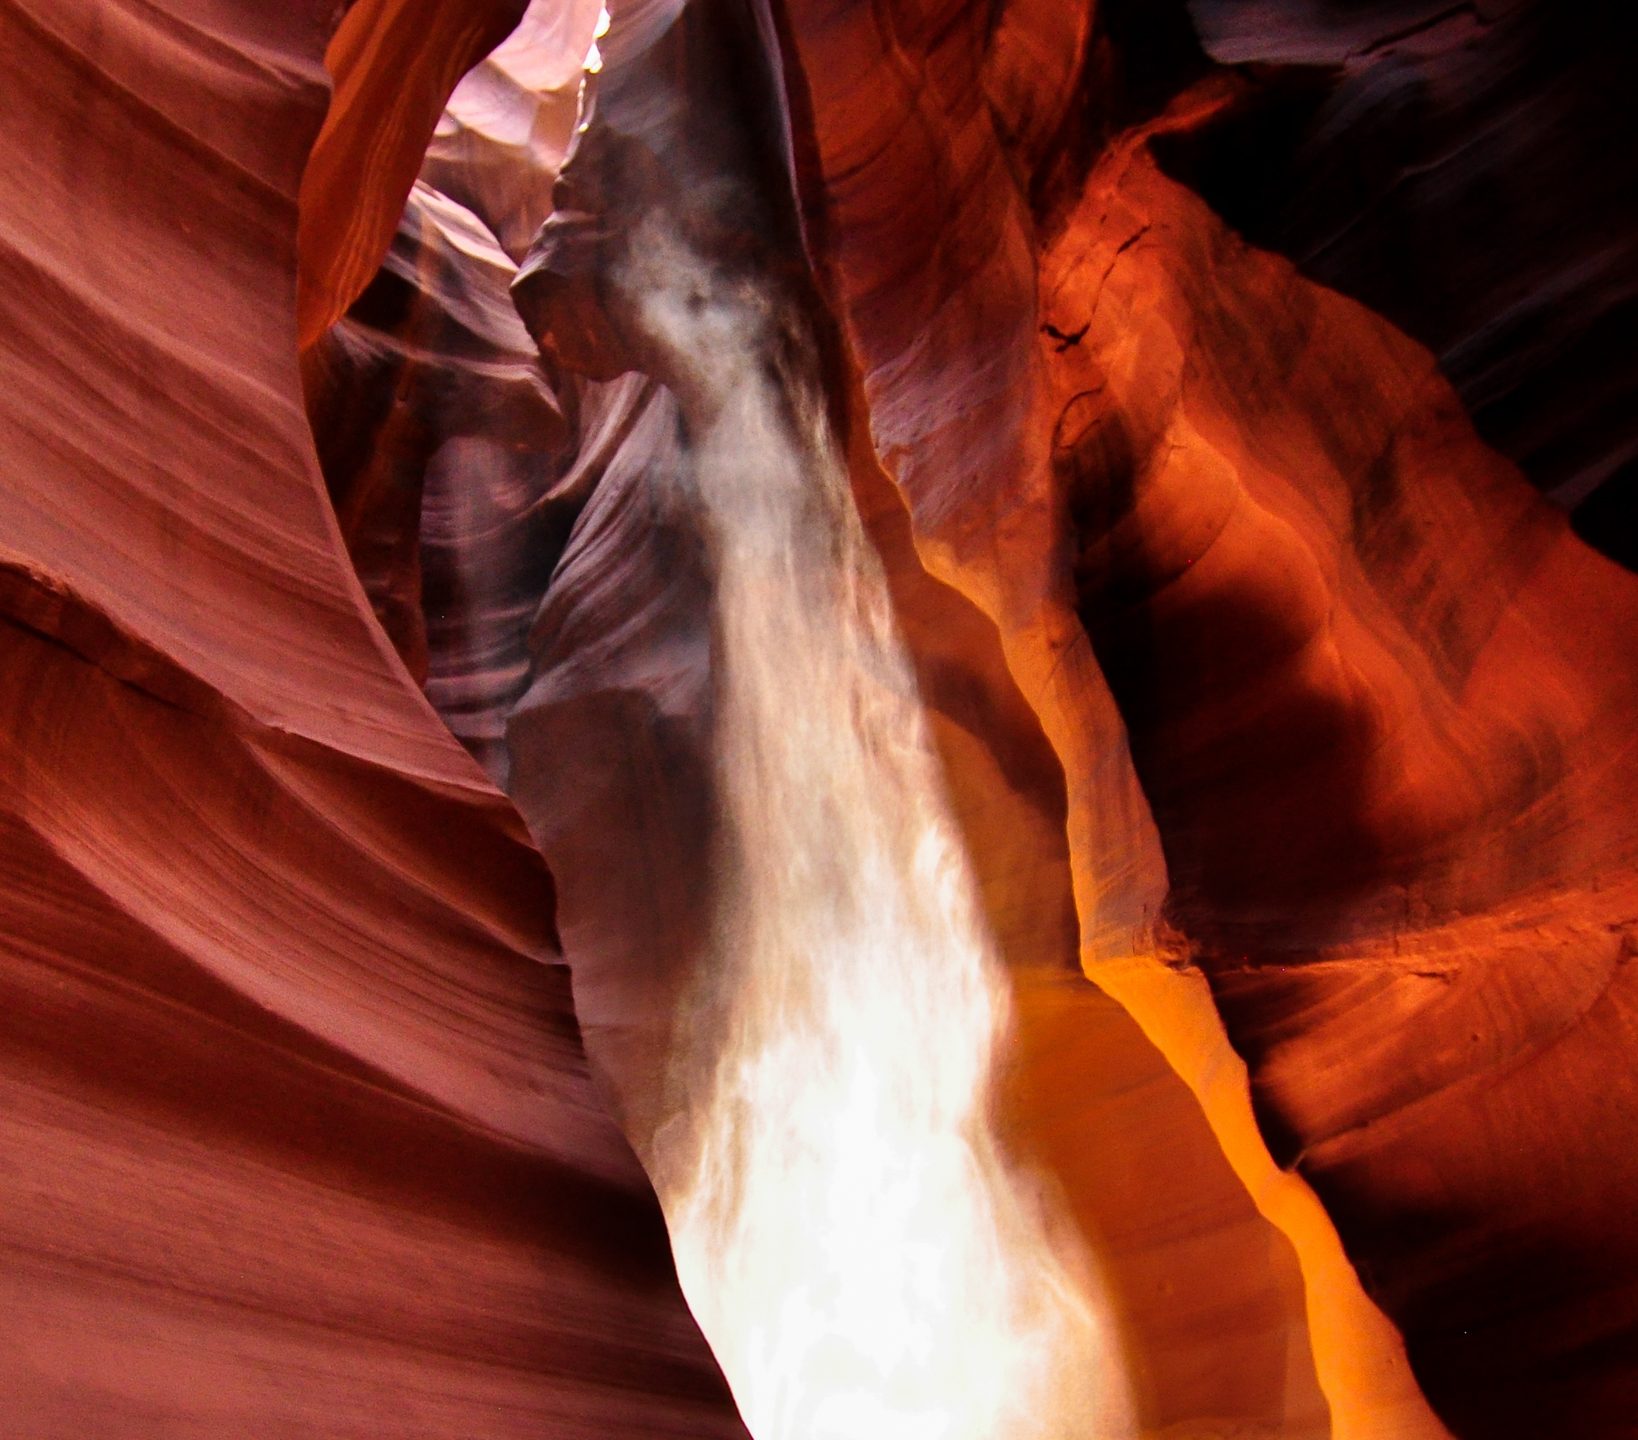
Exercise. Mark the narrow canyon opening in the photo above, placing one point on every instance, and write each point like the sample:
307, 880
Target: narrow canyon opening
600, 465
956, 673
863, 1259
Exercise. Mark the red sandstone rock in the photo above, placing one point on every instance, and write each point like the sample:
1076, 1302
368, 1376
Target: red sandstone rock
1262, 686
442, 439
394, 63
298, 1129
1399, 825
610, 758
1310, 589
943, 324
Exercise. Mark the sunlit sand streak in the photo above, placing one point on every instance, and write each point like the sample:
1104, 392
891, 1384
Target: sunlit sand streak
864, 1264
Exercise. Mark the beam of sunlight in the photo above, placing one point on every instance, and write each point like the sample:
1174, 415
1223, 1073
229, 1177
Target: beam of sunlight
859, 1254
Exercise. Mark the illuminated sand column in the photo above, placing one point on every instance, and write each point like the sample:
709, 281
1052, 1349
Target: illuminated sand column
857, 1253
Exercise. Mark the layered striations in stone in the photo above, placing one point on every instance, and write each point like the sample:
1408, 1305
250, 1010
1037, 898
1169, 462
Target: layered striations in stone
610, 758
943, 321
445, 445
1451, 166
1372, 687
394, 64
299, 1133
1270, 698
1379, 697
609, 753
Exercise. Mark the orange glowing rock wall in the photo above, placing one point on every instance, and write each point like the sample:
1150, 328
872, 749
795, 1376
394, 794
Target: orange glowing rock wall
1376, 695
1275, 702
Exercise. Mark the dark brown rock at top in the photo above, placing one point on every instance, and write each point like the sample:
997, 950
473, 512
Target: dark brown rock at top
1274, 701
1455, 168
1373, 689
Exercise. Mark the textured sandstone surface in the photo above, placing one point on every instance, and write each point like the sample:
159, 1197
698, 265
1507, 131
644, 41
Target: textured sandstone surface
944, 328
1405, 859
609, 756
1170, 575
299, 1135
394, 65
1451, 167
1273, 700
1395, 817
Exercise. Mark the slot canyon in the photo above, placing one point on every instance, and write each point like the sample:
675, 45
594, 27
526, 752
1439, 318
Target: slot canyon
818, 720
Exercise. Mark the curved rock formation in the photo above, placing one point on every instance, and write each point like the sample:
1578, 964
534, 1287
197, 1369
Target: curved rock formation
610, 755
300, 1136
1293, 560
1286, 723
991, 519
1323, 620
1449, 167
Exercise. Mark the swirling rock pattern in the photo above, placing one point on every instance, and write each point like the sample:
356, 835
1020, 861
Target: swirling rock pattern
1416, 896
1449, 165
1267, 691
1283, 487
300, 1137
1088, 421
955, 376
609, 755
445, 446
